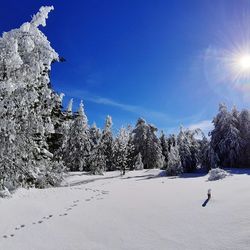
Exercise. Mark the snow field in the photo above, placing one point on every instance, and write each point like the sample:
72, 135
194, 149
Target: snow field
137, 211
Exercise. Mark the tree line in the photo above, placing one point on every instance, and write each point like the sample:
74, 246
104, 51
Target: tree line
92, 149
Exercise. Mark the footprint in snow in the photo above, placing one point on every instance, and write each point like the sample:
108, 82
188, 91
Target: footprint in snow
48, 217
40, 221
63, 214
68, 209
87, 200
5, 236
12, 235
21, 226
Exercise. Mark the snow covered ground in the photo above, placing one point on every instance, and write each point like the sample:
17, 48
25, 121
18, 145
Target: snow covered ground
136, 211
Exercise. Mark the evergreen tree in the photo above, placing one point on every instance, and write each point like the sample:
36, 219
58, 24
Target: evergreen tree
244, 127
96, 160
121, 150
147, 143
78, 145
107, 144
174, 162
131, 154
165, 148
138, 163
225, 138
189, 149
154, 158
30, 109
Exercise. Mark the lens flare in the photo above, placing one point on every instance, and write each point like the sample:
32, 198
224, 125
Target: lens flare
244, 62
239, 65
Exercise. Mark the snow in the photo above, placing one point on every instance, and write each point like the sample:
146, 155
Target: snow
137, 211
217, 174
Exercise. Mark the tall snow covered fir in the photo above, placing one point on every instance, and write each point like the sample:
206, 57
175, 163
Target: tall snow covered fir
40, 141
30, 109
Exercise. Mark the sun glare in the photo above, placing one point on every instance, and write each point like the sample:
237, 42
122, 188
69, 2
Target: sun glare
239, 65
244, 62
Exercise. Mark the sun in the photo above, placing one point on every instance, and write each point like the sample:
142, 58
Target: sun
244, 62
239, 65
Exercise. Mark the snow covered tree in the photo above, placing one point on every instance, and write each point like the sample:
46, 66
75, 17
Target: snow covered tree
154, 158
29, 107
96, 158
97, 161
189, 149
69, 107
174, 162
121, 150
140, 137
204, 158
225, 138
78, 145
147, 143
138, 163
165, 148
131, 154
107, 144
244, 127
95, 134
172, 141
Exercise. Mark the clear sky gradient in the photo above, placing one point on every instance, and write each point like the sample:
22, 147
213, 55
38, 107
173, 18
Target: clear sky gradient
155, 59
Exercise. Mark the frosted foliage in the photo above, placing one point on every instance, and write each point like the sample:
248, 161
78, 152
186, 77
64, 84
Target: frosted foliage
107, 144
70, 104
121, 149
82, 114
78, 145
27, 105
189, 149
108, 123
174, 162
147, 143
40, 17
138, 163
217, 174
230, 138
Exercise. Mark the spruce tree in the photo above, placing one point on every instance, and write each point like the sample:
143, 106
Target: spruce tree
174, 166
78, 145
244, 127
147, 143
164, 147
225, 138
121, 150
30, 109
107, 144
138, 163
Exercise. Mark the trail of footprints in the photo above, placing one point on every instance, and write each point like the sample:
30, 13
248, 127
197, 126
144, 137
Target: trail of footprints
97, 193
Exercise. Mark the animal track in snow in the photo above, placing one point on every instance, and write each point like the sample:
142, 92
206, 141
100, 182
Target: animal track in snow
63, 214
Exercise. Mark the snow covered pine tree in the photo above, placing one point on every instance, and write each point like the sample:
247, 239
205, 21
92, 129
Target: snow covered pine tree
27, 104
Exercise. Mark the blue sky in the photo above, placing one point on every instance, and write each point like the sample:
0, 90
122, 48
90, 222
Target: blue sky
155, 59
